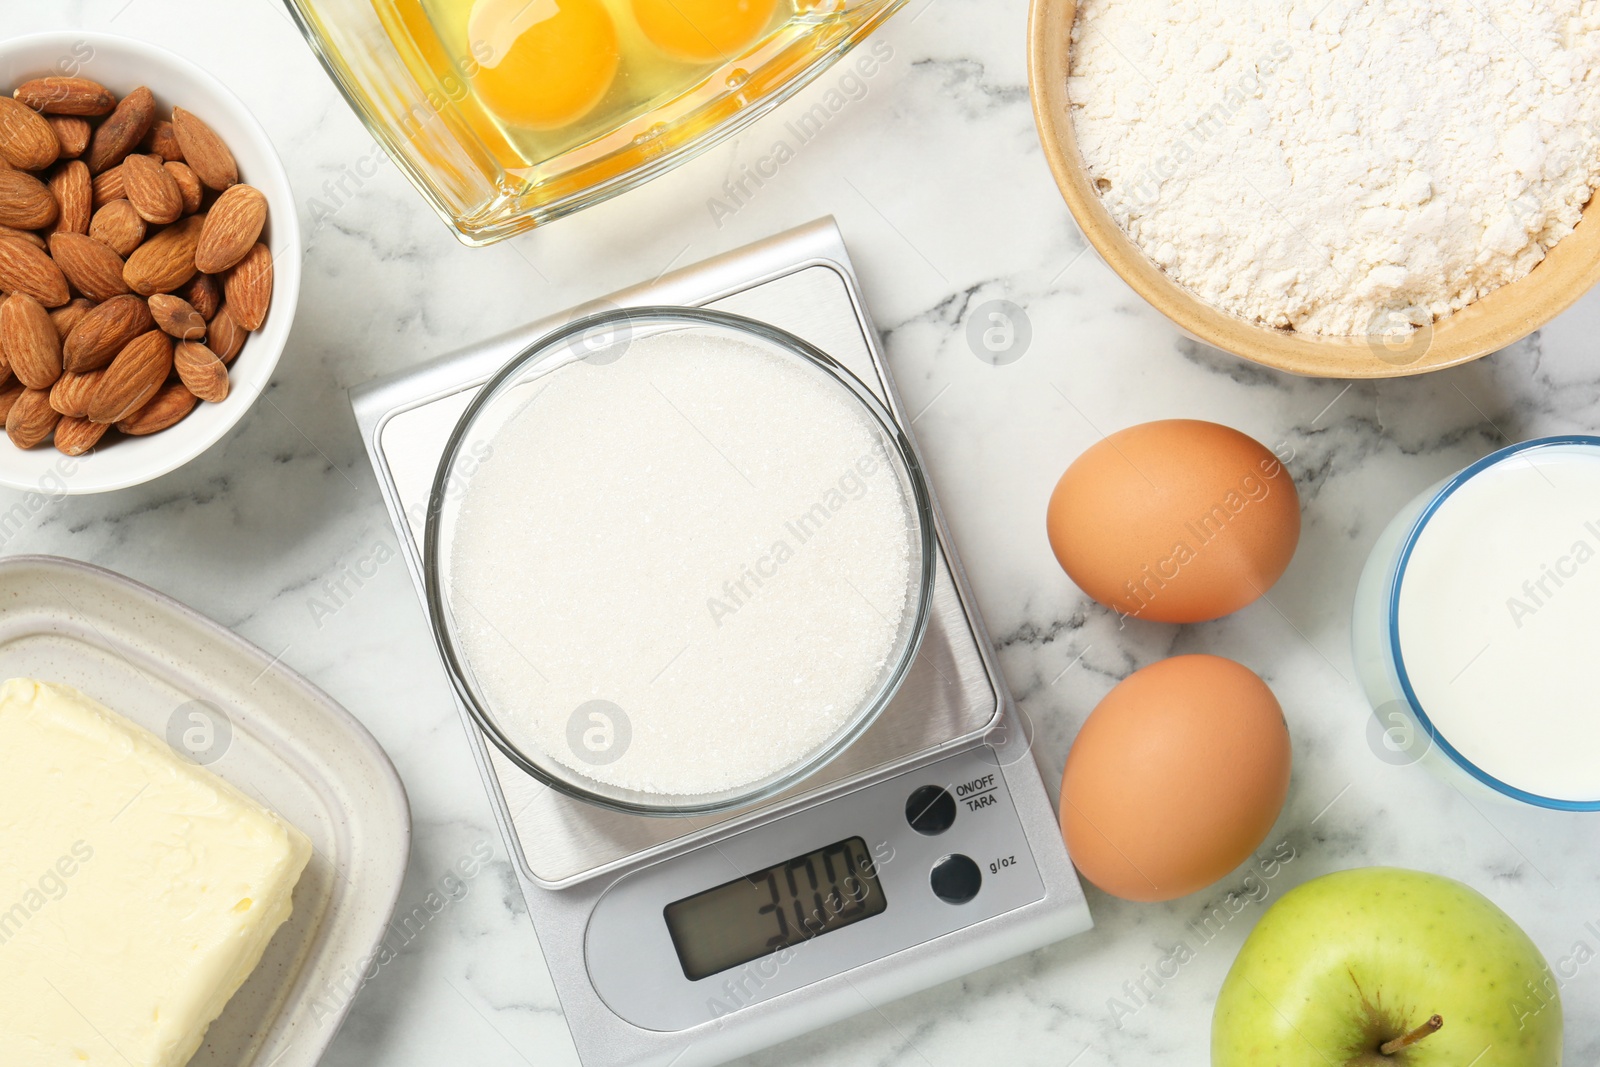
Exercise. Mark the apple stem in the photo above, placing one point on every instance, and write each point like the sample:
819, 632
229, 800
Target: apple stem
1405, 1041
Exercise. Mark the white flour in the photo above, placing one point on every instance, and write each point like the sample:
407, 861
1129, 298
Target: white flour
1337, 166
701, 535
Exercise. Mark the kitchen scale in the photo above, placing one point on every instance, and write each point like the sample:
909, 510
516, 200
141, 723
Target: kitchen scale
658, 931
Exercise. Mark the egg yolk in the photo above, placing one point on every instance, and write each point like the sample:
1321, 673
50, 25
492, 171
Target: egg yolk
547, 62
703, 31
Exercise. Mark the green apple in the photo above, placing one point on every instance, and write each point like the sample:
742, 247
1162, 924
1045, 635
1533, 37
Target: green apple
1381, 967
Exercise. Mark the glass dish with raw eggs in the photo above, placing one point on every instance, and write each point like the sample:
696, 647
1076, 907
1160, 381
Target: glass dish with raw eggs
509, 113
551, 74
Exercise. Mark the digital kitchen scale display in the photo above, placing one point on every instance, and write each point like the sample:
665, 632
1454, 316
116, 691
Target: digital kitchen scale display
926, 850
776, 909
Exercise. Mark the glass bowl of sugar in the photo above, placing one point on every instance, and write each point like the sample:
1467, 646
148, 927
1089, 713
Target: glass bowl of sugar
677, 560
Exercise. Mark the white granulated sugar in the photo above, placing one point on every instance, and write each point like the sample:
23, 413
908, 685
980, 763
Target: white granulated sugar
1337, 166
703, 534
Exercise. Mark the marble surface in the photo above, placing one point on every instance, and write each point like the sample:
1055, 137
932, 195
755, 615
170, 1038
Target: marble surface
938, 183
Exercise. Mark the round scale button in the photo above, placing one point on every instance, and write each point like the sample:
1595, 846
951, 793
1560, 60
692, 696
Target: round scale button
931, 810
955, 879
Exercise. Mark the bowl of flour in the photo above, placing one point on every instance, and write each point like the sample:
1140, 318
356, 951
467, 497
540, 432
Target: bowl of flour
1339, 189
677, 560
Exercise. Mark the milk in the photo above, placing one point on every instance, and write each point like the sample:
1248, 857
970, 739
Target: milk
1487, 619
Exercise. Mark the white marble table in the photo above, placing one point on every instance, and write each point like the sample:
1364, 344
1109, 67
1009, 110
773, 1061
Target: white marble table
938, 183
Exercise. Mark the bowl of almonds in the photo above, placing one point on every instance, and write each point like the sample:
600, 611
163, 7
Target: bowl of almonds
149, 261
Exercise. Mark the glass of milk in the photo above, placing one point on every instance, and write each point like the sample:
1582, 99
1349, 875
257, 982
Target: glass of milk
1476, 626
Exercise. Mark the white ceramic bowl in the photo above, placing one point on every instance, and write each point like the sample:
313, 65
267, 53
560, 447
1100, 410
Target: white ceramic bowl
121, 64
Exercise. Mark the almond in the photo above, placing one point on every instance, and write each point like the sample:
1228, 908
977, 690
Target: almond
204, 295
118, 226
104, 331
132, 378
199, 368
153, 192
193, 192
74, 192
225, 336
177, 317
25, 202
167, 407
70, 314
204, 151
71, 393
166, 260
162, 140
25, 269
109, 186
31, 418
248, 287
75, 436
26, 140
92, 267
123, 129
23, 235
66, 96
71, 133
9, 395
232, 226
33, 348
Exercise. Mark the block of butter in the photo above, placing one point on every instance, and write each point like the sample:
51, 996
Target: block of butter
137, 890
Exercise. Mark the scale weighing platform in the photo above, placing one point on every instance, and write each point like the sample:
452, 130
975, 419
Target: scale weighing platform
657, 930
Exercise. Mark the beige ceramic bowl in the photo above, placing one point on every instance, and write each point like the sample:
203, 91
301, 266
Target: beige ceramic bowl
1506, 315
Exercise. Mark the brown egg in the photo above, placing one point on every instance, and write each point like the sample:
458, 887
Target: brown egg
1175, 779
1175, 521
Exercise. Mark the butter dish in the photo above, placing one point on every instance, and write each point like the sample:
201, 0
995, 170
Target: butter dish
277, 744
